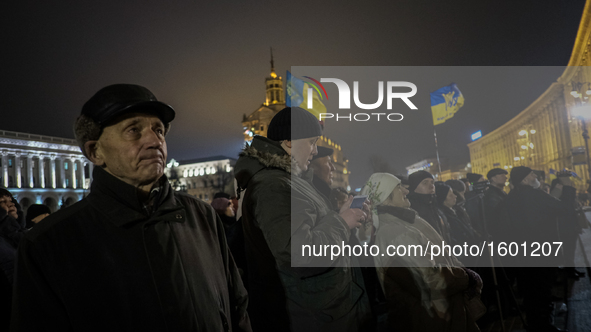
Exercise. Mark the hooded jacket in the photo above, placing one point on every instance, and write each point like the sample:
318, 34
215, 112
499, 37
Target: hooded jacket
281, 212
108, 263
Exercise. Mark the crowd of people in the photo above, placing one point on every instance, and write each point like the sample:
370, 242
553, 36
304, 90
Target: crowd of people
137, 255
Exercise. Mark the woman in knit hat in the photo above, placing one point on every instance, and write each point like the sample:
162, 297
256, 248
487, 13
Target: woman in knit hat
422, 294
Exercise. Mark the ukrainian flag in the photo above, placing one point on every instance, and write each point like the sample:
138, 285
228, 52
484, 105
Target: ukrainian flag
445, 102
296, 95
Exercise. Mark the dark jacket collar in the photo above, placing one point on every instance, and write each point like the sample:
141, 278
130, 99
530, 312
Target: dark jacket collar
119, 201
497, 190
405, 214
262, 153
426, 199
321, 186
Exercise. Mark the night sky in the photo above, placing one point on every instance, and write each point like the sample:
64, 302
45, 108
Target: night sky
209, 61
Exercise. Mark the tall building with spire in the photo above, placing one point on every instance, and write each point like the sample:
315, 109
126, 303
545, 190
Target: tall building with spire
258, 121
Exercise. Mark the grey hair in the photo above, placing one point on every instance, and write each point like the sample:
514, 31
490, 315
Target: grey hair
86, 129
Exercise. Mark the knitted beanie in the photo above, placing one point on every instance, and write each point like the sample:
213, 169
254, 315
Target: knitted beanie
519, 173
415, 179
293, 123
441, 191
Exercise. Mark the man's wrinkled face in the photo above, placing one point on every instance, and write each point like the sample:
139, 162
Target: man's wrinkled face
133, 149
7, 205
530, 179
323, 168
302, 151
427, 186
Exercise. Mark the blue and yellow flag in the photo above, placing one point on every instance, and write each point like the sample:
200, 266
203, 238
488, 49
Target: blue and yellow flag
445, 102
296, 94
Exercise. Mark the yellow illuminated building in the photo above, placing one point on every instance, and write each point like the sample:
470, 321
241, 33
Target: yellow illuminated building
258, 121
547, 135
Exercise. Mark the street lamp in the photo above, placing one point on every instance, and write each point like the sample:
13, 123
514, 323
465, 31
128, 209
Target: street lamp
583, 113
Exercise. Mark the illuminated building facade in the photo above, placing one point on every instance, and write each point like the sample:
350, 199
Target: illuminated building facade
258, 121
547, 135
43, 169
204, 177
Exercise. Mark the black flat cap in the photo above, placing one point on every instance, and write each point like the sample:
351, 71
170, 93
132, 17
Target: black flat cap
323, 152
495, 171
117, 99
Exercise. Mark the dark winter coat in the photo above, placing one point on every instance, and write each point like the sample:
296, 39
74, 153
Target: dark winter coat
532, 215
280, 213
493, 196
107, 263
460, 228
426, 207
11, 233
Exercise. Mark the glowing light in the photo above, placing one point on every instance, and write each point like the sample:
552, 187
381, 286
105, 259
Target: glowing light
477, 135
583, 112
522, 158
531, 145
524, 147
574, 93
510, 166
516, 158
522, 133
506, 167
532, 131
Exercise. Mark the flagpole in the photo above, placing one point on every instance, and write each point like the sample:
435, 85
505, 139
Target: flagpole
437, 152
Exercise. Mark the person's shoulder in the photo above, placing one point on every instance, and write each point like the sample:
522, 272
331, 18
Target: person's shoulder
58, 221
189, 200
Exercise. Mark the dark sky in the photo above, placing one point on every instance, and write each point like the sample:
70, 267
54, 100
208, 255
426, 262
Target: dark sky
209, 60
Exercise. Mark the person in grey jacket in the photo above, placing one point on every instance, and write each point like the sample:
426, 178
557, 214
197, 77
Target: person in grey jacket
281, 212
134, 255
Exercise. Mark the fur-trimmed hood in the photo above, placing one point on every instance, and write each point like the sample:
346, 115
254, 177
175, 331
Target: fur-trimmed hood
263, 153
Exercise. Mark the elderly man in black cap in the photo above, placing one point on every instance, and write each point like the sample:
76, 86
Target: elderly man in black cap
281, 212
533, 217
134, 255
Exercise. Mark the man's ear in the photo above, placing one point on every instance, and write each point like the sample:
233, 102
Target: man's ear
92, 151
287, 143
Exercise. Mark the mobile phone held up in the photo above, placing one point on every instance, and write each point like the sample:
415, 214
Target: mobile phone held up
358, 202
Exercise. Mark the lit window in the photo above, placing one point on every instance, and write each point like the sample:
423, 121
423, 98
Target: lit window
207, 171
75, 166
191, 173
185, 173
66, 165
201, 171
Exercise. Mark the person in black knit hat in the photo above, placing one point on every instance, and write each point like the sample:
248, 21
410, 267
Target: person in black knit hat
282, 212
423, 200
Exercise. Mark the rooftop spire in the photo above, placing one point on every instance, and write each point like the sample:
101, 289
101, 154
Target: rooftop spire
272, 65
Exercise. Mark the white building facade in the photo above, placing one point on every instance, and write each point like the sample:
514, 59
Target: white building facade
43, 169
203, 177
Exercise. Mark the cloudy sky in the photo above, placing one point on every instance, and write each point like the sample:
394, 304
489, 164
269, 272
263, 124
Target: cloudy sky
209, 59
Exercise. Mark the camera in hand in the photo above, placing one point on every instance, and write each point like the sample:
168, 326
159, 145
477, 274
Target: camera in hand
480, 187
